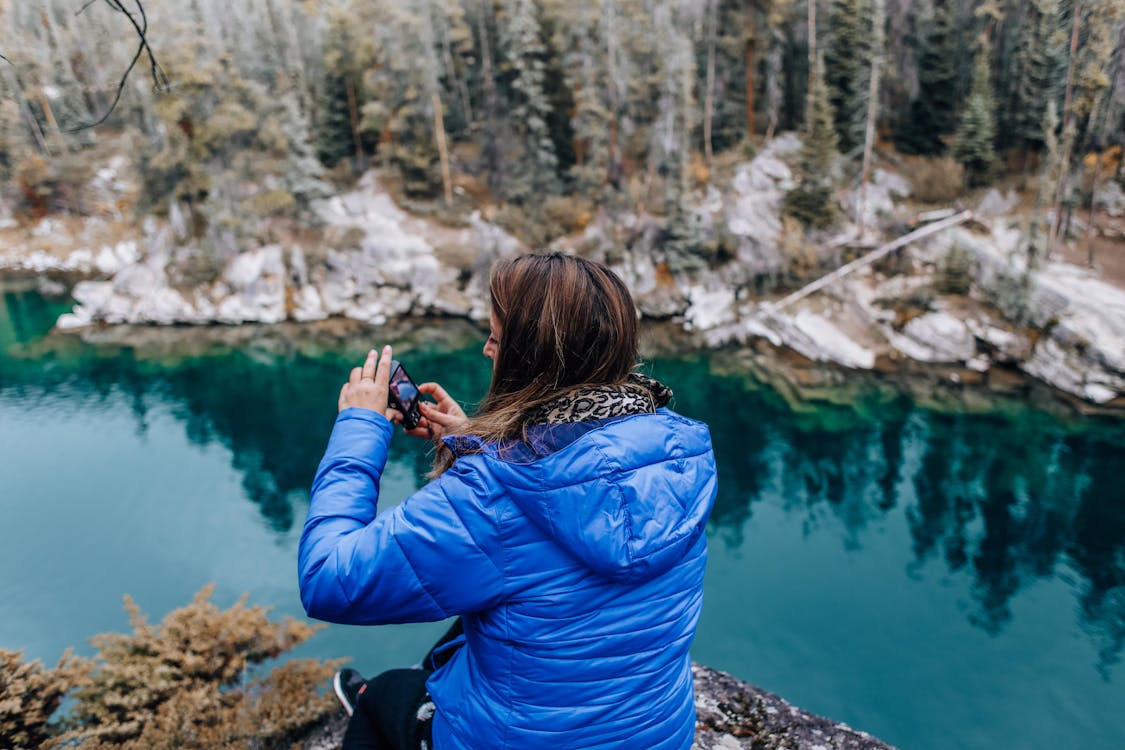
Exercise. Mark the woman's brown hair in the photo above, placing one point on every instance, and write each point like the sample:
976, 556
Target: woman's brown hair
565, 322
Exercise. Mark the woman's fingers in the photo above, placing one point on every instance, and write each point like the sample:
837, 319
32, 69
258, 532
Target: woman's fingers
369, 366
438, 417
367, 386
445, 402
434, 390
342, 401
383, 370
393, 414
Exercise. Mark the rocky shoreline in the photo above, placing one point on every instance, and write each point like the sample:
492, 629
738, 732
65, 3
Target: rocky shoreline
996, 322
730, 715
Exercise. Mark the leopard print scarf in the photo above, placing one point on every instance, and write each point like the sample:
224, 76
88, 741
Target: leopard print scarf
639, 394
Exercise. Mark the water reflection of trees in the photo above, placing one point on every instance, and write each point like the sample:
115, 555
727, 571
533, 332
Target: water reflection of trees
1006, 500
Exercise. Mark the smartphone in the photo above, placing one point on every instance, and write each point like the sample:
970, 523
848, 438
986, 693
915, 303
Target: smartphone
404, 395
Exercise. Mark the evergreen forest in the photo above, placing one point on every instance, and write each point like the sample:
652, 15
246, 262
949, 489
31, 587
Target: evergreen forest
548, 109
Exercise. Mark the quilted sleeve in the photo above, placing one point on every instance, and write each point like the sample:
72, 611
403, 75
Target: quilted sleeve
436, 555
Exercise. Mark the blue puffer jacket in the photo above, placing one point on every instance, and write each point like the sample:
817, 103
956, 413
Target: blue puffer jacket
576, 560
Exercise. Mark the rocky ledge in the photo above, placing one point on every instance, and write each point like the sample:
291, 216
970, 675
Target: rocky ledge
730, 715
963, 305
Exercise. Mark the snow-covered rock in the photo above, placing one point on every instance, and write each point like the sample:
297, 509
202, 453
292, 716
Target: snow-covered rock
307, 305
112, 258
753, 205
1007, 346
386, 265
1111, 198
821, 340
256, 282
935, 337
709, 307
994, 203
896, 185
1083, 352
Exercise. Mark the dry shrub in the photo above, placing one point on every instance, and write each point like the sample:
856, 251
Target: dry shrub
184, 683
937, 179
277, 202
699, 171
60, 183
539, 224
799, 255
29, 694
566, 214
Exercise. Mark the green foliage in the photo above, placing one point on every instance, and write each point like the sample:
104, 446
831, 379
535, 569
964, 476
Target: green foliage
13, 137
811, 201
340, 96
931, 115
1038, 63
847, 66
535, 172
183, 683
974, 145
29, 694
955, 271
604, 99
333, 132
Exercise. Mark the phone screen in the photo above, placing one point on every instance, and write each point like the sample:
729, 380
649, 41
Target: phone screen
405, 392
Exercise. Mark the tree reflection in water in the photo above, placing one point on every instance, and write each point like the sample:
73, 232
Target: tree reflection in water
1008, 498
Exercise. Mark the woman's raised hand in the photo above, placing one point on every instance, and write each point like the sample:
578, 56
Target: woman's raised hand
368, 385
443, 418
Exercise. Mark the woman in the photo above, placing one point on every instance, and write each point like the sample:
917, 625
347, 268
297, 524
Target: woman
565, 526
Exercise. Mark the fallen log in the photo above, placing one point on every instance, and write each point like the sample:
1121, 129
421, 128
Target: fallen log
863, 261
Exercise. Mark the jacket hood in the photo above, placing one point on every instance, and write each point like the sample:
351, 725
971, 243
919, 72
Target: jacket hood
628, 496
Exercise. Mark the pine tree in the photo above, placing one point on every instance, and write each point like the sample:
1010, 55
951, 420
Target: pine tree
670, 149
811, 200
974, 145
333, 131
303, 175
338, 99
588, 80
531, 109
931, 115
1039, 66
845, 61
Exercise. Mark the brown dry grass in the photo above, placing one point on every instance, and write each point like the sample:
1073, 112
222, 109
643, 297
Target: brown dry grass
185, 683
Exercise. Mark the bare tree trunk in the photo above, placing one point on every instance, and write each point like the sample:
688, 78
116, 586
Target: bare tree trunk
709, 98
614, 175
812, 50
491, 156
49, 113
1090, 221
33, 125
462, 89
353, 111
749, 55
772, 86
443, 154
872, 112
1068, 132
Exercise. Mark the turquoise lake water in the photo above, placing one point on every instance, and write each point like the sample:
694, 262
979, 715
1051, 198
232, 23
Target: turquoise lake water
938, 580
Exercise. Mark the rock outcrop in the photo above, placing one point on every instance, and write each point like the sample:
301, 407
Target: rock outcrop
1058, 323
373, 262
379, 263
730, 715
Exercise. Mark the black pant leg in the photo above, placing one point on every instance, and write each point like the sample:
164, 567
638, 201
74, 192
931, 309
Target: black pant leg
386, 714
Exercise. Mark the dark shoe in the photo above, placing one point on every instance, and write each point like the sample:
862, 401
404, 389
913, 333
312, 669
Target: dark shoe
349, 685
